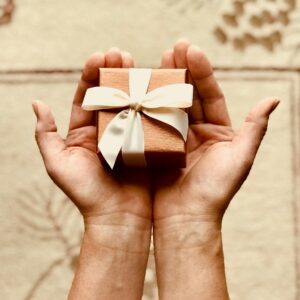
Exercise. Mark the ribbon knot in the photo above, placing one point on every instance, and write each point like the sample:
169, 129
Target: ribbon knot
125, 131
136, 106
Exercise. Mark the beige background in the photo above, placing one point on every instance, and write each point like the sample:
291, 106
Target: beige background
254, 46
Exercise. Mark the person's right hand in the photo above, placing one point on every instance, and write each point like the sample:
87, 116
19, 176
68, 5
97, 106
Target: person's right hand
116, 206
100, 194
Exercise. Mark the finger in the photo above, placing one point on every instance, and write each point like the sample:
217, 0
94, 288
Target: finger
89, 78
49, 141
113, 58
196, 111
212, 98
168, 60
250, 135
127, 60
180, 56
180, 53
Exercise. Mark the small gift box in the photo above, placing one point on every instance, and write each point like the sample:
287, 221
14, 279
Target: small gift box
141, 116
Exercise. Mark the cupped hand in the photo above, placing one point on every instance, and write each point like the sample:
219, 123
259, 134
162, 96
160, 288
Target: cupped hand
219, 158
73, 163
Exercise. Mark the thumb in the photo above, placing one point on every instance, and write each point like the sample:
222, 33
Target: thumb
249, 137
49, 141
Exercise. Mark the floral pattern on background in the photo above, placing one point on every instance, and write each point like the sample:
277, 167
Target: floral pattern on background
252, 22
7, 8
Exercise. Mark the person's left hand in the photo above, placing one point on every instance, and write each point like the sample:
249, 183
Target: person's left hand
218, 157
189, 203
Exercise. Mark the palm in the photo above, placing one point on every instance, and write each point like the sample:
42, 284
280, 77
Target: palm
205, 187
90, 184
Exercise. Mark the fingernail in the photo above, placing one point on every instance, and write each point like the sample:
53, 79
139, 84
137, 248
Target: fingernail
35, 107
276, 101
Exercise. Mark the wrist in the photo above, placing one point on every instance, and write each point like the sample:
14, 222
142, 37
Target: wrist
115, 247
118, 231
189, 258
186, 231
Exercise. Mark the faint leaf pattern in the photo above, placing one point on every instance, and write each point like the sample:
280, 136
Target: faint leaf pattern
48, 215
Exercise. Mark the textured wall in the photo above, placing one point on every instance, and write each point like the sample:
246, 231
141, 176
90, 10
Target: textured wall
255, 48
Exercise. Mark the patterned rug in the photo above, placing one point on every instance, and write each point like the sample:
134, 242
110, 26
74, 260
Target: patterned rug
255, 48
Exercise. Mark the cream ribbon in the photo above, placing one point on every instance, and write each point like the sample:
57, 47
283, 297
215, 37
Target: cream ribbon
125, 131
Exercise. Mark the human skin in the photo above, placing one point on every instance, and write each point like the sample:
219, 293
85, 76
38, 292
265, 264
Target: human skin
189, 204
185, 206
116, 206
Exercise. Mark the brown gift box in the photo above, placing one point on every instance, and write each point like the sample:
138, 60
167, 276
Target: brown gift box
164, 145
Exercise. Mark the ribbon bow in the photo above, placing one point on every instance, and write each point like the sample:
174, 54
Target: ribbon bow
125, 131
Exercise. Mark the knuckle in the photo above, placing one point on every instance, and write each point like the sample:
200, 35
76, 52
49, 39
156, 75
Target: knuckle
259, 122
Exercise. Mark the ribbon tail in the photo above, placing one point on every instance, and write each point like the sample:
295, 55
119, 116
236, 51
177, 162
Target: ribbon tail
174, 117
112, 139
133, 146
